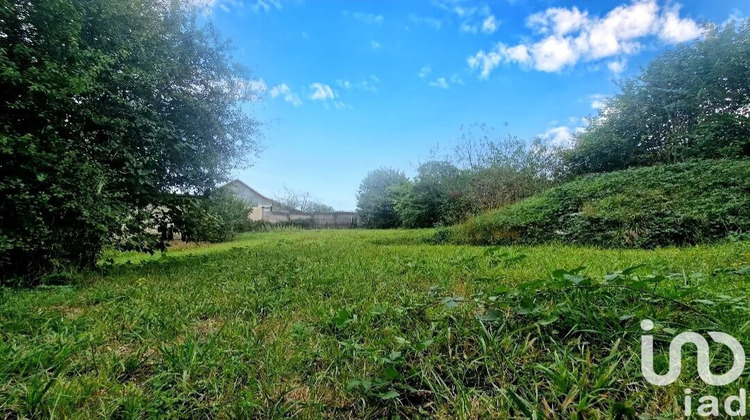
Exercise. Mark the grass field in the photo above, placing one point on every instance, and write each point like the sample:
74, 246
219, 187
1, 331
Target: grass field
355, 324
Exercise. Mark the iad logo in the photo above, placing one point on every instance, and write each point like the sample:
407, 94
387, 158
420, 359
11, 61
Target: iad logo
675, 357
710, 404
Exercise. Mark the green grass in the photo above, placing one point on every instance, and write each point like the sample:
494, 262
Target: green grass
356, 324
681, 204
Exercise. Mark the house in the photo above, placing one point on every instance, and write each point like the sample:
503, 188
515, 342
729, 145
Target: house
260, 202
271, 211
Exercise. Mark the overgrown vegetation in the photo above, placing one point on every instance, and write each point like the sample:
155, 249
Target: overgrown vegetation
218, 217
681, 204
483, 172
692, 102
369, 324
108, 108
375, 198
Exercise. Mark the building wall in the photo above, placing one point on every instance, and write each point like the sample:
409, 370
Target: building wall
259, 201
268, 210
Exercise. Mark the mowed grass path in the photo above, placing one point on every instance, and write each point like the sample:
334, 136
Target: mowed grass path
355, 324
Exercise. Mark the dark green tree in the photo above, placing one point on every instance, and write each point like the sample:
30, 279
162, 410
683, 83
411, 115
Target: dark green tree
691, 102
107, 108
438, 196
376, 198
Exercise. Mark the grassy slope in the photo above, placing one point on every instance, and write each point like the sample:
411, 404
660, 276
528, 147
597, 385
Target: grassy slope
686, 203
362, 323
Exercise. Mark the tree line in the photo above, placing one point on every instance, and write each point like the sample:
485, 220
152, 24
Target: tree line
690, 103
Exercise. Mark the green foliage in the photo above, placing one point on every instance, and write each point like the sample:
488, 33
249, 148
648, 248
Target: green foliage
679, 204
216, 218
376, 198
437, 196
691, 102
106, 108
369, 324
483, 172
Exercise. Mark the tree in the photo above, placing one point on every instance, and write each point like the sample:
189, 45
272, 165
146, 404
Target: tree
108, 107
484, 171
303, 201
502, 169
691, 102
376, 198
436, 197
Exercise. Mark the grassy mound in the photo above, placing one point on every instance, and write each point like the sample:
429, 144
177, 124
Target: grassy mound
678, 204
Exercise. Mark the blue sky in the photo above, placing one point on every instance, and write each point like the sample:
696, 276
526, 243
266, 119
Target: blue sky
349, 86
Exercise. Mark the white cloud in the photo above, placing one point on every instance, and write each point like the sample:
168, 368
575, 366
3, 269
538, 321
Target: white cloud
735, 18
367, 84
368, 18
674, 29
341, 105
557, 20
554, 53
487, 61
375, 45
569, 36
561, 136
257, 88
465, 27
462, 9
265, 5
598, 101
424, 71
489, 25
456, 80
473, 16
284, 91
617, 66
321, 92
440, 82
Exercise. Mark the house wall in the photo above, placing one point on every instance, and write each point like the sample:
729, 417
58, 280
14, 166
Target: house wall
259, 202
270, 211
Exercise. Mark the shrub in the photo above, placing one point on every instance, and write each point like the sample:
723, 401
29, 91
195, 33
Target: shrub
216, 218
680, 204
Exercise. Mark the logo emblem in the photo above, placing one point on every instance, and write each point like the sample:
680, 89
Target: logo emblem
675, 357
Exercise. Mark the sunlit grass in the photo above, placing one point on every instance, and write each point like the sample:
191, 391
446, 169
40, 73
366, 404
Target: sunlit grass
363, 324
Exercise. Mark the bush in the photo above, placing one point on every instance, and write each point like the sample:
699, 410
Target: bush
680, 204
216, 218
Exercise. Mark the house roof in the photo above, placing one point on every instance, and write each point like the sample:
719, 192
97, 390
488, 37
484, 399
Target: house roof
242, 184
275, 202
